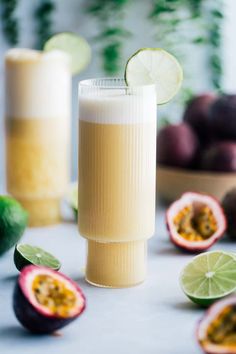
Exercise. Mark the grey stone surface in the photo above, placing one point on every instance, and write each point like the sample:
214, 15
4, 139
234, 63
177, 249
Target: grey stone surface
152, 318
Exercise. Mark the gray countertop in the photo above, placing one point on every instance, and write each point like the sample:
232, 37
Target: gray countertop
153, 318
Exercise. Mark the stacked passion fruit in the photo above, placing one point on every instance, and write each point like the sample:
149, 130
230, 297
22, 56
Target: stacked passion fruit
205, 140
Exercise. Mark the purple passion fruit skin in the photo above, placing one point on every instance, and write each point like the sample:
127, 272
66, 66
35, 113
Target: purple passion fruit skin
195, 222
220, 157
222, 117
177, 145
45, 300
216, 330
197, 115
229, 206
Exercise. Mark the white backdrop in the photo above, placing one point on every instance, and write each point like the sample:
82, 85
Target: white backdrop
70, 16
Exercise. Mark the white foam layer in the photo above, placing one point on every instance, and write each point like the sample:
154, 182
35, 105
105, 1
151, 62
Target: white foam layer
38, 85
116, 107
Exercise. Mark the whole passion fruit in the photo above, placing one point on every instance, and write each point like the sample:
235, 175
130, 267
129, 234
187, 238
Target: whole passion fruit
197, 114
222, 116
45, 300
176, 145
195, 222
216, 332
229, 206
220, 157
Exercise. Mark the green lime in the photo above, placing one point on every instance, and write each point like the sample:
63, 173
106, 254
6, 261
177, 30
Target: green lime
75, 46
155, 66
72, 197
209, 277
13, 221
26, 254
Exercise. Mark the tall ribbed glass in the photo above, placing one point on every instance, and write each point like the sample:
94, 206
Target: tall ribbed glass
38, 94
117, 165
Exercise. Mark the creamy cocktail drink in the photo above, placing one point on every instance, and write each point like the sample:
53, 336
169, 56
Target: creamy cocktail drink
117, 149
38, 93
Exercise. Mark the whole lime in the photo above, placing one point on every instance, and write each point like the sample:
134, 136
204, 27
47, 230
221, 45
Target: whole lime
13, 221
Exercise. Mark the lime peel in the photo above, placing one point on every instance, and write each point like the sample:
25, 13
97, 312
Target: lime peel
155, 66
209, 277
75, 46
26, 254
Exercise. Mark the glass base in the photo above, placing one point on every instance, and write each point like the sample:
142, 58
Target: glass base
116, 265
42, 212
113, 287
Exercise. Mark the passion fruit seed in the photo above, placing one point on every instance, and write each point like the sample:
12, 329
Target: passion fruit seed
54, 295
195, 223
45, 300
222, 329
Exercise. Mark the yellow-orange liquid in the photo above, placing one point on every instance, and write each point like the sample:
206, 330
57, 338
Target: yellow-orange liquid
37, 165
117, 181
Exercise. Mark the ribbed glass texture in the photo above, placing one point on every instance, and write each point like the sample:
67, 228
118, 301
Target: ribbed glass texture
117, 160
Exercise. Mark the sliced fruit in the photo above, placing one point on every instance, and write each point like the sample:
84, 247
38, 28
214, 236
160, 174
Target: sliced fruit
216, 332
209, 277
45, 300
13, 221
72, 197
229, 206
155, 66
75, 46
195, 221
27, 254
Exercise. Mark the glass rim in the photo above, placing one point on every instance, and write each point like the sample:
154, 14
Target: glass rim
115, 83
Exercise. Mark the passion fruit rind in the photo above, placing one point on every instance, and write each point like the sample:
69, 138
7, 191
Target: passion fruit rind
195, 222
216, 330
45, 300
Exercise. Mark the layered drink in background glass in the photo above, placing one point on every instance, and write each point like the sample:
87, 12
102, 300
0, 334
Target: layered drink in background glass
38, 104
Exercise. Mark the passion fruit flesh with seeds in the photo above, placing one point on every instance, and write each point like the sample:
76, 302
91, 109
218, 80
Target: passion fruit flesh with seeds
216, 331
195, 222
45, 300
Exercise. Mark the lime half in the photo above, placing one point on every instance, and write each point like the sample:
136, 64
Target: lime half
155, 66
27, 254
209, 277
75, 46
13, 221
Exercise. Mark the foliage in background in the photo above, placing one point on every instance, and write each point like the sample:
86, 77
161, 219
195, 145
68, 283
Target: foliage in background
109, 15
43, 21
9, 21
171, 19
216, 17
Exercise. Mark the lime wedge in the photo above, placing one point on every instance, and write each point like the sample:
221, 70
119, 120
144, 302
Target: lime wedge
155, 66
27, 254
209, 277
75, 46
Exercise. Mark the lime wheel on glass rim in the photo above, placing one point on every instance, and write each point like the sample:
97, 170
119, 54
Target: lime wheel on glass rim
75, 46
155, 66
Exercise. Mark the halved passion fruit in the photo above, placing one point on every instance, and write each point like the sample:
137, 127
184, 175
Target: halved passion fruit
216, 332
195, 221
45, 300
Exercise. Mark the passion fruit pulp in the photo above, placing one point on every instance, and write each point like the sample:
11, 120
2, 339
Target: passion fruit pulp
229, 206
216, 332
45, 300
195, 221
